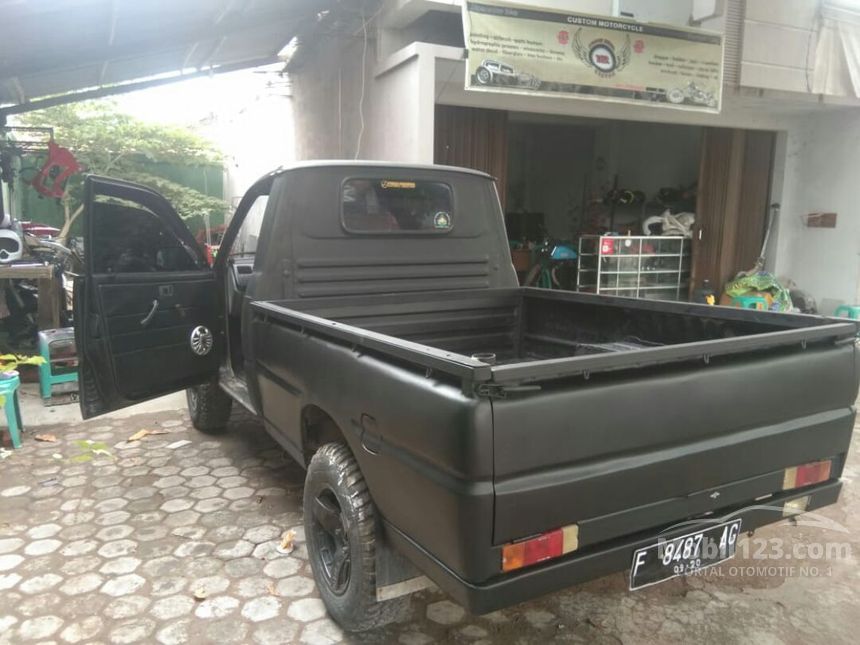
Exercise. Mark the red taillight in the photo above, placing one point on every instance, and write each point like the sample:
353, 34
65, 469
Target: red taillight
807, 474
546, 546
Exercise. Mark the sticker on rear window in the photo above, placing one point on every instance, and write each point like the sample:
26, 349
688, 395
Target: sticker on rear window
442, 220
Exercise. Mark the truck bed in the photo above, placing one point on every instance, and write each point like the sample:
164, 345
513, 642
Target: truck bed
524, 335
620, 416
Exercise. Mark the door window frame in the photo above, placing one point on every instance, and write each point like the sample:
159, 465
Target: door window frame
97, 186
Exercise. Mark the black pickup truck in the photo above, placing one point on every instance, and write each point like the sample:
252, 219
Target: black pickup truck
502, 442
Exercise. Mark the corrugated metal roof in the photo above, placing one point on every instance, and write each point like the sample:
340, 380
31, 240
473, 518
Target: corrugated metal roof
50, 47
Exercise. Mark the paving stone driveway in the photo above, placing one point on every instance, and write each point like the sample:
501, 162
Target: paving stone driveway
156, 541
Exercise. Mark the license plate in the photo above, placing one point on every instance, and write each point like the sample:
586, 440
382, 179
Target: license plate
685, 554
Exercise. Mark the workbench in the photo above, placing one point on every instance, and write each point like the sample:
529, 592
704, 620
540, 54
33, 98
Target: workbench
48, 316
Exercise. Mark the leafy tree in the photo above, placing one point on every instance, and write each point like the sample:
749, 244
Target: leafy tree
108, 142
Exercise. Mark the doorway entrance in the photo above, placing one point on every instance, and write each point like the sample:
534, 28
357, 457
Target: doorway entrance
572, 181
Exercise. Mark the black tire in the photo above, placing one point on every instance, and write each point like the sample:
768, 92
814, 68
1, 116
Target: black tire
341, 533
209, 407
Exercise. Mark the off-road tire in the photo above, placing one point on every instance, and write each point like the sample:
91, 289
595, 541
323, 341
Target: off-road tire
89, 392
333, 469
209, 407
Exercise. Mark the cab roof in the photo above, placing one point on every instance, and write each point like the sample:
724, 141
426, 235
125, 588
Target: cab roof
353, 163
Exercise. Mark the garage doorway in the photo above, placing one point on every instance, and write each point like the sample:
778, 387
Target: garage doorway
473, 138
562, 179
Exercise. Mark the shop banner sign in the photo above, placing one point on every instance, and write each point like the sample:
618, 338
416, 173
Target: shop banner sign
516, 49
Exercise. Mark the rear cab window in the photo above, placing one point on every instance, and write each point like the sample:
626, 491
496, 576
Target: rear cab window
379, 205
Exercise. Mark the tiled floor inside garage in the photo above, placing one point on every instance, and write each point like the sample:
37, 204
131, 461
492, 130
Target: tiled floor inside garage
173, 539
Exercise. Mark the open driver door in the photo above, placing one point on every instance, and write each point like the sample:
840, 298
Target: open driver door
147, 313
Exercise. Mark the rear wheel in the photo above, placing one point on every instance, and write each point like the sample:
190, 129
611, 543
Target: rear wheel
341, 533
209, 407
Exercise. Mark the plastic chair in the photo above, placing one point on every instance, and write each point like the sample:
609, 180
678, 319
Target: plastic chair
749, 302
9, 383
56, 346
850, 311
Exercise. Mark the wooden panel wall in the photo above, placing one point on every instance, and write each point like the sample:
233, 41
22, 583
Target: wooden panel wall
755, 196
473, 138
732, 204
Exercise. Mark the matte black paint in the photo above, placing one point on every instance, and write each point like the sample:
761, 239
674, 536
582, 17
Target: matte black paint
123, 361
377, 332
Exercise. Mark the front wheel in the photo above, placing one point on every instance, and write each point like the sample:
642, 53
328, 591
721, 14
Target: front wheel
209, 407
484, 76
341, 533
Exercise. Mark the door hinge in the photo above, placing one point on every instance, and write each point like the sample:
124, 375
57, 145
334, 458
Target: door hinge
496, 391
491, 390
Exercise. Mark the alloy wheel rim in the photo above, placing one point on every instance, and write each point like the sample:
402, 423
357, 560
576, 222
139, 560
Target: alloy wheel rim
330, 535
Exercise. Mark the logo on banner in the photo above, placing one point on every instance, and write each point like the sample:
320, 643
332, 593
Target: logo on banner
600, 54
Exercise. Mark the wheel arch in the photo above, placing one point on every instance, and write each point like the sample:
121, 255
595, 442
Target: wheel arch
319, 428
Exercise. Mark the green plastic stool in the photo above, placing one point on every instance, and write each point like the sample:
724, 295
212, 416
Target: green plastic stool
850, 311
56, 345
749, 302
9, 383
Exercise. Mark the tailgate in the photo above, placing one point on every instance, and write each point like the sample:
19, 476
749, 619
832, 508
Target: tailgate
624, 451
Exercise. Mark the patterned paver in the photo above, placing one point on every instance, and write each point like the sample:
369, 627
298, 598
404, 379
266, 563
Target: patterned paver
173, 539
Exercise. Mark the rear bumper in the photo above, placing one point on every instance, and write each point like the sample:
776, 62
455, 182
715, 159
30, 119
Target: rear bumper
593, 562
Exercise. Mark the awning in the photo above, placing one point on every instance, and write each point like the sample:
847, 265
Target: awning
836, 70
53, 47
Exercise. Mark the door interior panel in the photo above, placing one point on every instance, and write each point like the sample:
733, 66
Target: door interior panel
146, 287
156, 355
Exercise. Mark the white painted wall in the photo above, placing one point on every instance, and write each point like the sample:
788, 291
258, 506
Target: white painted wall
401, 115
822, 157
599, 7
396, 104
676, 12
778, 44
322, 88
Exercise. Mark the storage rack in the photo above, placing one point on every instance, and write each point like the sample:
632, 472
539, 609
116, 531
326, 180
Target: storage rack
638, 266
